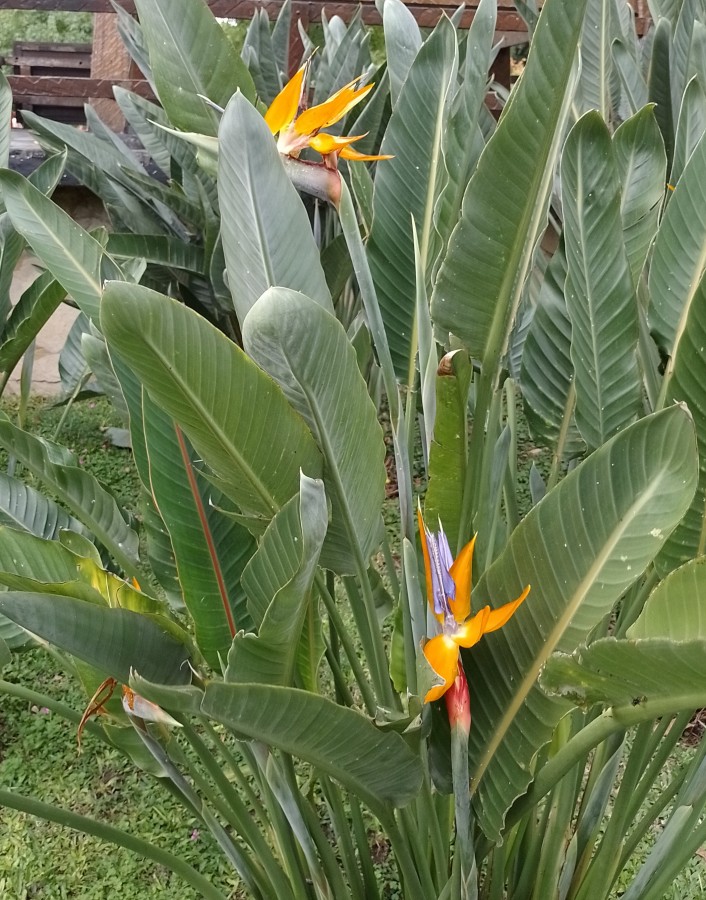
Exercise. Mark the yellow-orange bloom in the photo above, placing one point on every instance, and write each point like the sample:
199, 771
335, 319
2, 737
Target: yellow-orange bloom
449, 597
298, 127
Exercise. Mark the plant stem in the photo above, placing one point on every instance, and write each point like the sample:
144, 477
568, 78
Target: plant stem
113, 835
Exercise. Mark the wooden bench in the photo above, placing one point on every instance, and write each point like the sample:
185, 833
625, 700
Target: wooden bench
110, 63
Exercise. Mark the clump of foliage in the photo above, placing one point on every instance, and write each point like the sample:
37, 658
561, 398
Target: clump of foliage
37, 25
248, 337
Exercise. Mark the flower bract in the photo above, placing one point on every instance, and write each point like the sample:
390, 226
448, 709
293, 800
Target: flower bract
449, 597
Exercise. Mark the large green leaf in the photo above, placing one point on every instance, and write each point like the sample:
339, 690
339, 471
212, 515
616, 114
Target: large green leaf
259, 56
688, 384
448, 451
407, 188
305, 349
580, 548
690, 127
504, 209
547, 373
402, 43
464, 140
632, 673
235, 416
676, 608
191, 58
102, 167
77, 489
31, 313
5, 119
66, 249
210, 548
270, 656
27, 509
596, 62
377, 767
659, 83
641, 164
115, 641
679, 255
160, 249
267, 238
600, 295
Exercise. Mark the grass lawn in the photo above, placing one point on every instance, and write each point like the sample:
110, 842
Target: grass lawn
38, 757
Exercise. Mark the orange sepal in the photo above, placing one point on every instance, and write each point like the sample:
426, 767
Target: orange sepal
441, 653
325, 143
471, 631
285, 106
350, 153
328, 113
462, 573
498, 617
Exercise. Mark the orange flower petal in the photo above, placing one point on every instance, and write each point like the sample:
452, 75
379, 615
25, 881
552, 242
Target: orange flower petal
333, 109
462, 573
285, 106
350, 153
441, 653
325, 143
470, 632
498, 617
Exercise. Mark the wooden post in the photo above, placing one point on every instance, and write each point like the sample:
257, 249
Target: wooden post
110, 60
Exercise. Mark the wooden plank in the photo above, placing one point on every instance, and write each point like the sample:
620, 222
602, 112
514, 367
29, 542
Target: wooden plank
51, 60
84, 88
427, 13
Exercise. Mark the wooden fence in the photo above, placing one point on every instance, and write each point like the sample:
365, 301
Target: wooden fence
111, 65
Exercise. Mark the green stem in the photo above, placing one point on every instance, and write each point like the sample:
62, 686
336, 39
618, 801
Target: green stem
346, 640
344, 841
236, 813
372, 892
370, 632
558, 455
113, 835
472, 480
235, 767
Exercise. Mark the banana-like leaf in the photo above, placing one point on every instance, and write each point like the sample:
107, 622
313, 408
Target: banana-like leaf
160, 249
377, 767
75, 488
596, 62
688, 385
267, 238
490, 251
407, 188
191, 58
6, 120
270, 656
5, 655
447, 455
631, 78
259, 56
95, 352
547, 372
23, 507
659, 90
403, 41
676, 608
690, 11
161, 553
235, 416
210, 549
66, 249
679, 253
116, 641
102, 167
632, 673
305, 349
600, 295
641, 165
31, 313
580, 548
690, 127
464, 141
